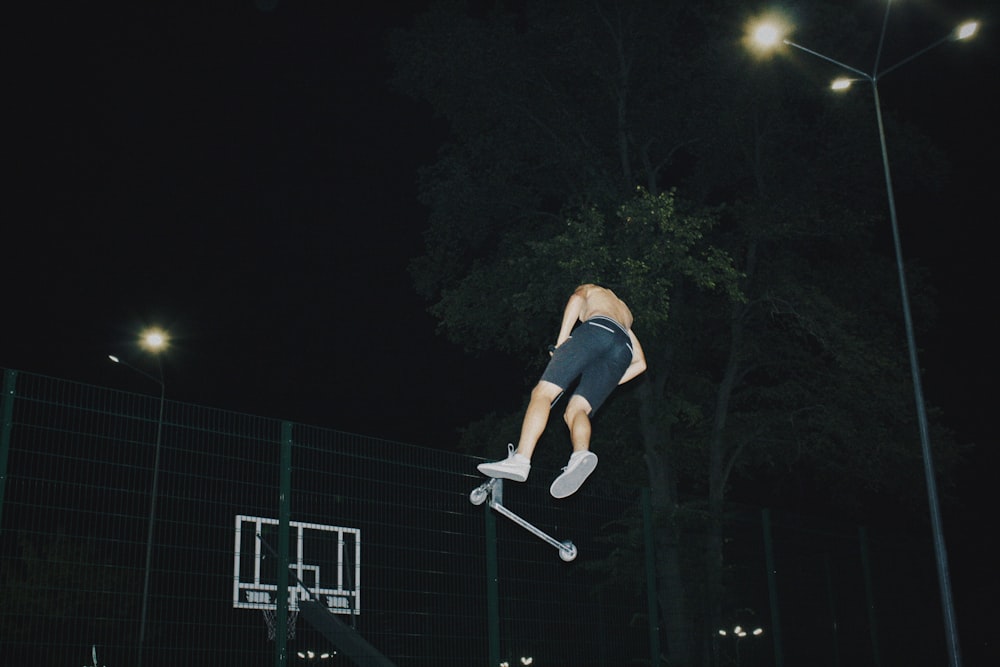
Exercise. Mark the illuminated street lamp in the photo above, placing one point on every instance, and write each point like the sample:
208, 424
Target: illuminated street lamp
153, 340
313, 656
738, 633
769, 34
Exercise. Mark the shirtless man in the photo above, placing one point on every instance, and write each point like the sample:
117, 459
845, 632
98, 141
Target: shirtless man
604, 353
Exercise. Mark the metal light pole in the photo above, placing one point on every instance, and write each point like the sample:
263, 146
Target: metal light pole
155, 341
767, 33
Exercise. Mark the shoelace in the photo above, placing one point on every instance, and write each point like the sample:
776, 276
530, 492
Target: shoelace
567, 465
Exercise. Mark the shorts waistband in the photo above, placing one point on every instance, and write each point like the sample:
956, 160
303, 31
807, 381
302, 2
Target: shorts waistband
608, 320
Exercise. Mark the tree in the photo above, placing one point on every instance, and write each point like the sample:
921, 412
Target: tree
622, 143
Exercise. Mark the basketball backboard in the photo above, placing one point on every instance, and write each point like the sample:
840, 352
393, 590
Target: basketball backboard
324, 562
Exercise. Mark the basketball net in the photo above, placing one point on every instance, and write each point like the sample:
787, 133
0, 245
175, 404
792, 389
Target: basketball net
269, 617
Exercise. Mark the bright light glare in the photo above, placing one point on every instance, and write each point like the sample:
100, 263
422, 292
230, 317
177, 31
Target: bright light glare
967, 29
758, 632
154, 339
114, 358
527, 660
765, 33
841, 84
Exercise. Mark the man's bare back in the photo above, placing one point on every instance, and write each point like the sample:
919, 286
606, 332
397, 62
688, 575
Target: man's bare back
599, 300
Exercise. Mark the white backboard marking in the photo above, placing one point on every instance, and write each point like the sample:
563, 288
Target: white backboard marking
325, 559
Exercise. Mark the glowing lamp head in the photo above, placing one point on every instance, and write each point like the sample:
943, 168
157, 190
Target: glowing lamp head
967, 30
766, 35
154, 340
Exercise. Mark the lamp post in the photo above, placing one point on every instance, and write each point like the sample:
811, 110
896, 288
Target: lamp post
155, 341
766, 35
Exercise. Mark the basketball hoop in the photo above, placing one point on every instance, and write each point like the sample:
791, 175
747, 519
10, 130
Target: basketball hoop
269, 617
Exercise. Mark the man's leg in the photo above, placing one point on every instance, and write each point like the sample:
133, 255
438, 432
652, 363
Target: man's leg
577, 418
582, 462
517, 465
536, 416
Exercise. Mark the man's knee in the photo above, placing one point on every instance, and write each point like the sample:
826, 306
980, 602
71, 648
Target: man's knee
576, 407
546, 390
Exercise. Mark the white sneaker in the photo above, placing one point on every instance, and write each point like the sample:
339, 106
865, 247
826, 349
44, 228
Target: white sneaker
514, 467
576, 472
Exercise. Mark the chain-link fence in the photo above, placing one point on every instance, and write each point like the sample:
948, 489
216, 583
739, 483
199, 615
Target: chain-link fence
150, 532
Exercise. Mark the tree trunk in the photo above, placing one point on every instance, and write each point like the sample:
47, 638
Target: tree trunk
720, 457
663, 497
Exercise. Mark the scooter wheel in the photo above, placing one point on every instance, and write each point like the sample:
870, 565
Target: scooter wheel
478, 496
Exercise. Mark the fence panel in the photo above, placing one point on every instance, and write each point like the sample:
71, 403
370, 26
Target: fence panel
406, 569
158, 543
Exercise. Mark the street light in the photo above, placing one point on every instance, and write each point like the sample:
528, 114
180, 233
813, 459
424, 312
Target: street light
769, 34
738, 633
312, 656
153, 340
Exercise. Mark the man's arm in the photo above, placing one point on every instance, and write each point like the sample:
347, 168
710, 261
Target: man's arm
638, 364
571, 313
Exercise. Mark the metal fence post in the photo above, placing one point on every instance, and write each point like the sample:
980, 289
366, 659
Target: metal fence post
492, 587
832, 599
284, 517
7, 409
652, 610
772, 587
869, 594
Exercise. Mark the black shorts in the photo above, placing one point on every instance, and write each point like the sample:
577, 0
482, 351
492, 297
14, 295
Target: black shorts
597, 353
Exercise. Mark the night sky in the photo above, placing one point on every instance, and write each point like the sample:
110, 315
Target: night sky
243, 177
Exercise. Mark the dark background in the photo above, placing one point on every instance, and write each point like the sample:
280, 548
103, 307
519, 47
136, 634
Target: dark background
243, 177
